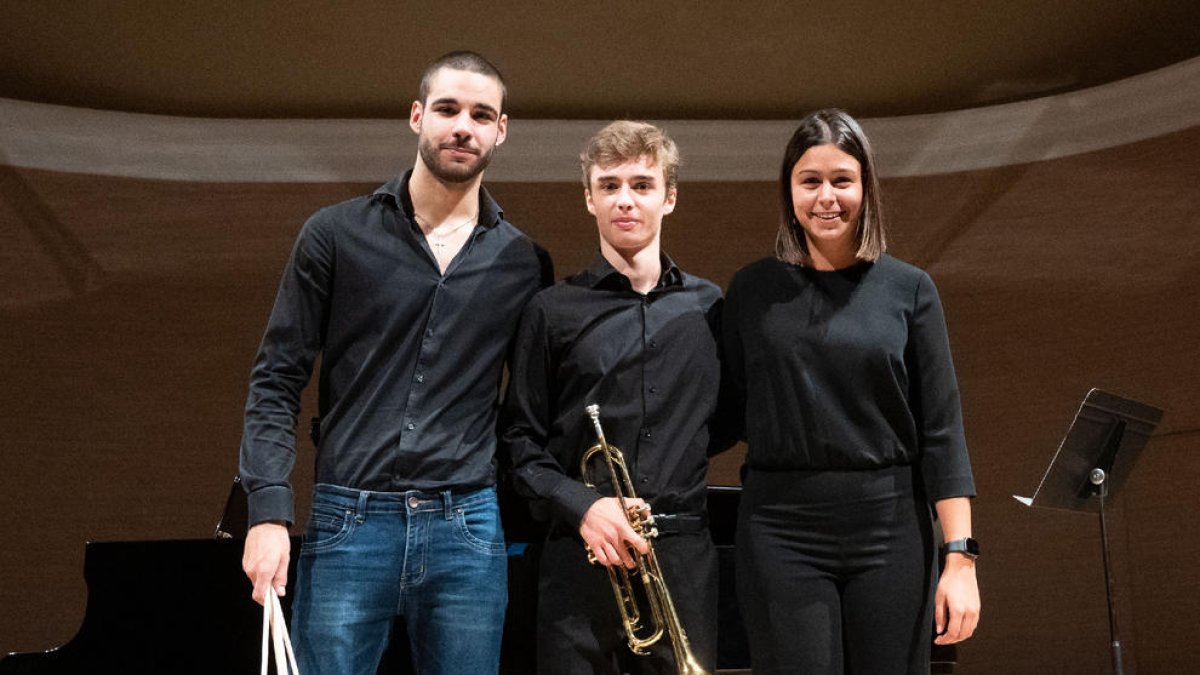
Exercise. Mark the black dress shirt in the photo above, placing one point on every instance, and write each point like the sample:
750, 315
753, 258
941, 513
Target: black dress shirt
845, 369
650, 363
411, 359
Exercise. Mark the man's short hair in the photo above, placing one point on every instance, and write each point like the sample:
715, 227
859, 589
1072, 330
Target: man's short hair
462, 60
628, 141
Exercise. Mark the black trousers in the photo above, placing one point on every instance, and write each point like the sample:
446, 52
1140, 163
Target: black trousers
835, 572
579, 625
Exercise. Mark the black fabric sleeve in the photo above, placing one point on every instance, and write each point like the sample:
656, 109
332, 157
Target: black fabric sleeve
945, 465
731, 403
282, 368
529, 410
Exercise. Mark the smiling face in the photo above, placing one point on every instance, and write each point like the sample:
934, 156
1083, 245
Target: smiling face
459, 124
629, 201
827, 198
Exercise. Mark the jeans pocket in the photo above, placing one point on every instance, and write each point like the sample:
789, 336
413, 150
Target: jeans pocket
327, 528
479, 525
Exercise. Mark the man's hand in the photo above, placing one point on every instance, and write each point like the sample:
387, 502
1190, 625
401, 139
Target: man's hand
606, 530
956, 605
265, 560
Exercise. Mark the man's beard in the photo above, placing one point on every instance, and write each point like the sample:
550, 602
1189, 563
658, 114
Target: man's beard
452, 172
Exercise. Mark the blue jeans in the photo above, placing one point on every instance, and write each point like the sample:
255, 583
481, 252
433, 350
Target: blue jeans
437, 559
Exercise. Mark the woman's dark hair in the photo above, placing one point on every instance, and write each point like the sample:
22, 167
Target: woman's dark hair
830, 127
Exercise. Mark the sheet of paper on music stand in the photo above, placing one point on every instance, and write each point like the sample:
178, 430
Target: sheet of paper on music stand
1107, 429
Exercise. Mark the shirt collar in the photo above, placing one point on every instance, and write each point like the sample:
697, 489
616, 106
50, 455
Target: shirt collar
601, 274
396, 191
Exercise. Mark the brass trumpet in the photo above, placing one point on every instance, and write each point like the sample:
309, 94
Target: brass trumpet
664, 618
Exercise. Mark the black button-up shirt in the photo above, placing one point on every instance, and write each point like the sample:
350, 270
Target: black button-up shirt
411, 359
650, 363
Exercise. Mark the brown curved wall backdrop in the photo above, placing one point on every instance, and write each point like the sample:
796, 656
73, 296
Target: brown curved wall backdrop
132, 309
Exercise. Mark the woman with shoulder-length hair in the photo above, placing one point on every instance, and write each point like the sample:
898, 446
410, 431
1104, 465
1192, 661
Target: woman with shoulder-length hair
839, 362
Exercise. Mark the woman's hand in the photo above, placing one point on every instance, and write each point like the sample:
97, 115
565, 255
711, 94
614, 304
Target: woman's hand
956, 605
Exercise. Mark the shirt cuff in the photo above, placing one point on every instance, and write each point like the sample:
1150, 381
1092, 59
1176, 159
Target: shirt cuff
572, 500
948, 487
273, 502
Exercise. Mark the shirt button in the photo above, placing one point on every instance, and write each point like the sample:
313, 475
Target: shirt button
410, 426
429, 332
646, 433
420, 378
645, 480
653, 390
653, 344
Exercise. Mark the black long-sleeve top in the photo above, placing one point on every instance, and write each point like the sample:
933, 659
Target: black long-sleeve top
411, 360
650, 363
845, 369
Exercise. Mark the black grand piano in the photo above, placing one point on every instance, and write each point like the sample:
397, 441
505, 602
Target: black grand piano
184, 606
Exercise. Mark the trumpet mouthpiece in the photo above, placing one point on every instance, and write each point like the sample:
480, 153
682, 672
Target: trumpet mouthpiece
593, 410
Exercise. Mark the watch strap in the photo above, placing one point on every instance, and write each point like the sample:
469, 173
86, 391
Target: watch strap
966, 546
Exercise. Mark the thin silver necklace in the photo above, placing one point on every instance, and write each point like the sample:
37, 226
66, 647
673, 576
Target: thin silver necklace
439, 239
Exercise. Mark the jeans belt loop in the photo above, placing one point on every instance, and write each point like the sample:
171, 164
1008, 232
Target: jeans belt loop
360, 509
448, 504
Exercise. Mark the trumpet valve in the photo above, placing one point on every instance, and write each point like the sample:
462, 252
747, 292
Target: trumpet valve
640, 514
643, 522
645, 530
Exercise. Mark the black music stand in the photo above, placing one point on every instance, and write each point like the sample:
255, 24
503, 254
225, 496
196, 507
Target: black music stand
1093, 460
